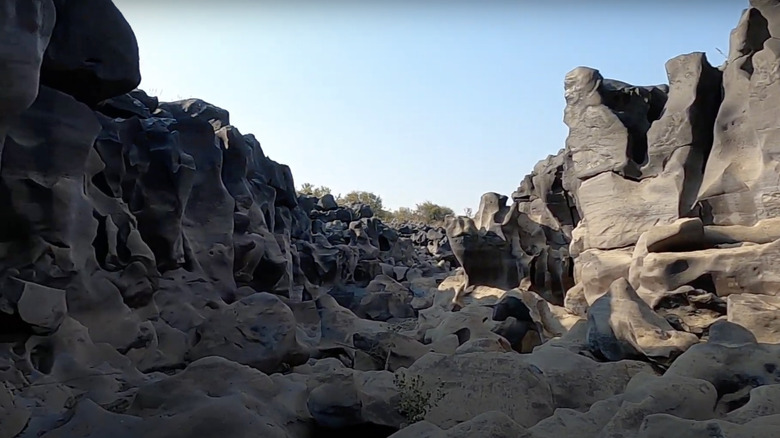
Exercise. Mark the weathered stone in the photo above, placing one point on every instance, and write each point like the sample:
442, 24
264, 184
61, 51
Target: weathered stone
25, 32
44, 308
622, 326
758, 313
257, 331
476, 383
739, 185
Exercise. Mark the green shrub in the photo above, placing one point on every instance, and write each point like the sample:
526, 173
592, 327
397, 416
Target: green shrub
414, 400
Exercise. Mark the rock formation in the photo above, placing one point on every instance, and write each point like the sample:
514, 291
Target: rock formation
161, 277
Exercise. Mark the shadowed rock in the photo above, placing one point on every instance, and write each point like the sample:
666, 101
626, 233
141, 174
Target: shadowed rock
93, 54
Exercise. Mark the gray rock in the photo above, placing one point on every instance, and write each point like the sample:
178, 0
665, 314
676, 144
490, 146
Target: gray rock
327, 203
622, 326
738, 186
257, 330
24, 34
44, 308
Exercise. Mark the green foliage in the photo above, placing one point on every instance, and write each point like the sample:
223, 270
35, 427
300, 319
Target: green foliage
384, 215
433, 214
405, 215
425, 213
414, 400
371, 199
360, 197
309, 189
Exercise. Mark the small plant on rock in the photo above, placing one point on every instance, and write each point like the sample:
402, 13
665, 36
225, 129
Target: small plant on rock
415, 401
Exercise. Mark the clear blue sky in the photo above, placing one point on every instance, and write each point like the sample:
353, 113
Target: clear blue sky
407, 99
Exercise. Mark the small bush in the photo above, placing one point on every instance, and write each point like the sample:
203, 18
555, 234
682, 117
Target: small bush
415, 402
309, 189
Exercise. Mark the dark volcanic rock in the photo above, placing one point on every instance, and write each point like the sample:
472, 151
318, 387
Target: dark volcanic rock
25, 31
504, 245
93, 54
486, 257
257, 330
124, 106
41, 184
160, 275
327, 203
197, 109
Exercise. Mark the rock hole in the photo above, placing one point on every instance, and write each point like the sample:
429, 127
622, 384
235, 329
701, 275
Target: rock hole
637, 146
757, 34
705, 212
362, 277
384, 244
705, 283
734, 394
267, 274
678, 267
101, 183
12, 226
13, 329
42, 358
100, 242
463, 335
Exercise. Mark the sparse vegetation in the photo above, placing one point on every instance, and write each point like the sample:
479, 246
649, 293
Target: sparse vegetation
415, 401
433, 214
309, 189
371, 199
427, 213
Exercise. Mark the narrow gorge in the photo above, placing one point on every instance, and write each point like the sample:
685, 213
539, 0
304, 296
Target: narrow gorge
161, 277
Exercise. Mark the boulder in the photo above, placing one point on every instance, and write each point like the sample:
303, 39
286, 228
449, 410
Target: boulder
93, 53
476, 383
258, 331
758, 313
622, 326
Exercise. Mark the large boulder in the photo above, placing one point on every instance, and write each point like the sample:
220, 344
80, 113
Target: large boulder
758, 313
485, 256
622, 326
93, 54
258, 331
475, 383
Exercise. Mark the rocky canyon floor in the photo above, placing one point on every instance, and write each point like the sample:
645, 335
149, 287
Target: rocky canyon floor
161, 277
